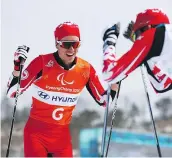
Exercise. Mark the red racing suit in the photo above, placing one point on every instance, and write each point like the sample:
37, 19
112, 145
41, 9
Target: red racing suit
56, 90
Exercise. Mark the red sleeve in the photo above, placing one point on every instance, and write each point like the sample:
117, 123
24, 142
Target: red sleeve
29, 75
95, 88
133, 58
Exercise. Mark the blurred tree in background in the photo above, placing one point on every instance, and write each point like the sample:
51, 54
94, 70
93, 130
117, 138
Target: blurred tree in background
6, 109
165, 107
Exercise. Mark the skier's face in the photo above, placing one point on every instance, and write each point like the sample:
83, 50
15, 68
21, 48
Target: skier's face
138, 32
68, 48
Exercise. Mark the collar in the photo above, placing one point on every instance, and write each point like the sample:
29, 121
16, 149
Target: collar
61, 63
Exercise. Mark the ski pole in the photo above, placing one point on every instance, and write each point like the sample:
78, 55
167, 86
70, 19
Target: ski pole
113, 117
150, 110
105, 122
15, 105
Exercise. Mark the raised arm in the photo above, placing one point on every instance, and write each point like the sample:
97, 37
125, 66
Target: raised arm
114, 69
29, 75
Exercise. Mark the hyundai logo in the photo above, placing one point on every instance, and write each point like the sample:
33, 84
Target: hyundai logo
43, 95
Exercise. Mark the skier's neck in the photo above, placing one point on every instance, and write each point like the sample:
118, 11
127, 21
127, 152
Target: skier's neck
61, 62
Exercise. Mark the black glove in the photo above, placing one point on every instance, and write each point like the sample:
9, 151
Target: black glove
129, 32
111, 35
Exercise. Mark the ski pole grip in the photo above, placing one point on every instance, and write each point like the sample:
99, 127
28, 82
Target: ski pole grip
22, 60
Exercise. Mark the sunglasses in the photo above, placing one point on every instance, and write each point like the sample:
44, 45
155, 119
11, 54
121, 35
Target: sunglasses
68, 44
140, 31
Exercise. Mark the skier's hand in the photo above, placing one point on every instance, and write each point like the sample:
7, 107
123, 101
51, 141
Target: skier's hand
114, 88
111, 35
20, 56
128, 33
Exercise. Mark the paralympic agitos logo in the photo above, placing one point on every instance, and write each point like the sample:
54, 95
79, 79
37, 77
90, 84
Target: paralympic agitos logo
60, 78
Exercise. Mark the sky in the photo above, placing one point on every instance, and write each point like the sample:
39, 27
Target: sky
32, 23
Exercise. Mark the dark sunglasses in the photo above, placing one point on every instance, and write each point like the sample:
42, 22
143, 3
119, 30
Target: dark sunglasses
68, 44
140, 31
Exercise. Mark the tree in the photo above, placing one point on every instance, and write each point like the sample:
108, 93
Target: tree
85, 119
133, 112
164, 106
118, 120
22, 115
6, 109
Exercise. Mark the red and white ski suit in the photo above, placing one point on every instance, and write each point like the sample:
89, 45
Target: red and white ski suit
153, 48
56, 90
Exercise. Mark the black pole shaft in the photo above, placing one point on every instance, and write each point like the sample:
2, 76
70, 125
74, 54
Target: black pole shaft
14, 111
112, 120
151, 113
153, 123
12, 124
110, 133
105, 123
